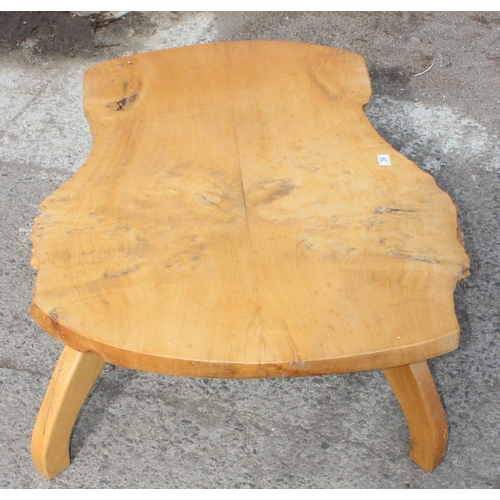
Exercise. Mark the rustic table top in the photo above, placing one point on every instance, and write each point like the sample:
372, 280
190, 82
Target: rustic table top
238, 216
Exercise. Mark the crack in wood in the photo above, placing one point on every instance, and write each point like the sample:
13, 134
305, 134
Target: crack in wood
389, 210
409, 257
122, 273
126, 102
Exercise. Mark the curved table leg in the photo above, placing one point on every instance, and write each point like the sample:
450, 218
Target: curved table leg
73, 378
414, 387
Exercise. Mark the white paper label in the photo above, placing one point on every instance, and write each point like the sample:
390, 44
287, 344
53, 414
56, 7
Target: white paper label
384, 160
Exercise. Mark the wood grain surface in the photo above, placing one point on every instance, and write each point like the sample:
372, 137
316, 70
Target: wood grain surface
232, 220
417, 394
73, 378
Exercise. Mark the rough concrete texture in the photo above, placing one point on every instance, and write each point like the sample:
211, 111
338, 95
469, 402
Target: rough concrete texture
340, 431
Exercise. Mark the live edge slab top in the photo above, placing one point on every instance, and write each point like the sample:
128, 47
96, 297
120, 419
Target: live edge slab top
239, 216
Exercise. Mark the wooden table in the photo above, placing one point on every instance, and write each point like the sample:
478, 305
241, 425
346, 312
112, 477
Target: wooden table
238, 216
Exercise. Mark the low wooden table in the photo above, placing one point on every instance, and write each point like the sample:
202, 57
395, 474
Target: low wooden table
238, 216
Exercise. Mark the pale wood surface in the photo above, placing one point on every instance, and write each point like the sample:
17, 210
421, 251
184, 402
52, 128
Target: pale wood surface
414, 387
73, 378
232, 220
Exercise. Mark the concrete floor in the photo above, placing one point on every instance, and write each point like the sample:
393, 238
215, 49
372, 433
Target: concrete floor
141, 430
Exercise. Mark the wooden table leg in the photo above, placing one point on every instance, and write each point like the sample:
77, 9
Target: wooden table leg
414, 387
73, 378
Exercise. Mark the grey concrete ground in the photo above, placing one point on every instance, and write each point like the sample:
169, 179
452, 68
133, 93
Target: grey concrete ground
142, 430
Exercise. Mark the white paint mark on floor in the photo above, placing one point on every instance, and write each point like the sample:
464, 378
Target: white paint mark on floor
196, 27
434, 134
